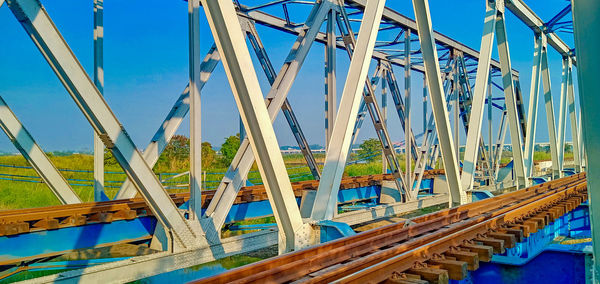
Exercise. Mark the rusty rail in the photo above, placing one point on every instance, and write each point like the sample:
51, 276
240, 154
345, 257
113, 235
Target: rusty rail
439, 246
13, 222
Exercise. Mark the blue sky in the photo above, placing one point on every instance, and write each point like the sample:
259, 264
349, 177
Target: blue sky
146, 68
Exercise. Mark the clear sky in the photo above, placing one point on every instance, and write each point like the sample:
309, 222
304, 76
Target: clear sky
146, 68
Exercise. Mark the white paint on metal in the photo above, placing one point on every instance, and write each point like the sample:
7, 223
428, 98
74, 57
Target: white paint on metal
325, 206
438, 100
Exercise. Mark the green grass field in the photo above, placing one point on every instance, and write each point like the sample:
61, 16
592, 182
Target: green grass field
20, 194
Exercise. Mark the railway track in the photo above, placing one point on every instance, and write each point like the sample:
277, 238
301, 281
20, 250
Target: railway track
431, 249
14, 222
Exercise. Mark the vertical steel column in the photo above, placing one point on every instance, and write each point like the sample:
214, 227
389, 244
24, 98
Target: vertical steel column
438, 102
424, 104
371, 105
231, 183
587, 44
230, 40
195, 73
34, 18
384, 117
562, 114
330, 80
510, 99
573, 116
169, 126
549, 113
478, 99
536, 75
261, 53
408, 135
325, 206
394, 90
490, 109
456, 101
582, 152
99, 82
36, 157
500, 143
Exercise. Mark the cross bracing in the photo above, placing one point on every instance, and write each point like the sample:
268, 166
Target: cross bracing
458, 84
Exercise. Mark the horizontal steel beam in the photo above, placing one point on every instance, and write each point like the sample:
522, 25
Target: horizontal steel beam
527, 16
404, 22
389, 15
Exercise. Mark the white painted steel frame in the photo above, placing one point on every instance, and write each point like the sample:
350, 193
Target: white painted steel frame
548, 102
369, 102
573, 117
99, 82
194, 86
325, 205
230, 40
171, 123
478, 100
532, 114
35, 156
330, 76
438, 102
510, 100
36, 22
227, 191
586, 23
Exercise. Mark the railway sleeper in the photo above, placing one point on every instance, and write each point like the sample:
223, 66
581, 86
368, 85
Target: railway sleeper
483, 252
471, 258
431, 275
496, 244
405, 278
457, 270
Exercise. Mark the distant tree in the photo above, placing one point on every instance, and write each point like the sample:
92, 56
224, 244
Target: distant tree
368, 149
109, 159
178, 148
568, 148
229, 149
208, 155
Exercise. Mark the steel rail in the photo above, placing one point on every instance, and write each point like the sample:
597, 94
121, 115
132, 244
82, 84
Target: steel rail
364, 265
441, 243
324, 257
20, 221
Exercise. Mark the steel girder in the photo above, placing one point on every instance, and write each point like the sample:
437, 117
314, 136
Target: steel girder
232, 181
494, 24
369, 102
286, 108
391, 19
516, 133
325, 205
548, 102
536, 74
36, 22
533, 21
478, 101
587, 43
171, 123
181, 107
35, 156
573, 117
562, 114
230, 40
408, 135
194, 86
430, 59
99, 82
330, 79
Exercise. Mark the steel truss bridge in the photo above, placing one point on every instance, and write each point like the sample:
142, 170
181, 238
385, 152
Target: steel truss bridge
186, 228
